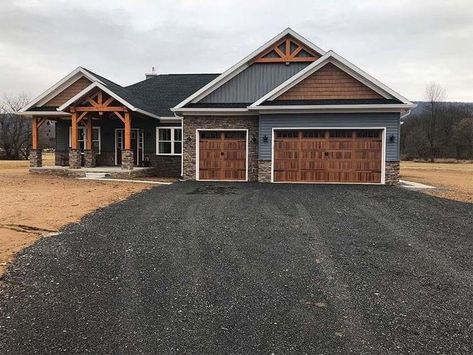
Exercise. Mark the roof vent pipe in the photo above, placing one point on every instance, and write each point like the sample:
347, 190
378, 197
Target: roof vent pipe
152, 74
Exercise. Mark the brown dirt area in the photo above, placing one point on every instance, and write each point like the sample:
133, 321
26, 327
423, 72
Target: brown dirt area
453, 180
33, 205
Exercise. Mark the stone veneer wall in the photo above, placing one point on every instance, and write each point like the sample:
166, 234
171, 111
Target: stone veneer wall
191, 123
165, 165
392, 172
264, 170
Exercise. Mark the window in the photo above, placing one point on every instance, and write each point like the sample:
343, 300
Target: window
340, 133
287, 134
169, 141
313, 133
367, 133
82, 138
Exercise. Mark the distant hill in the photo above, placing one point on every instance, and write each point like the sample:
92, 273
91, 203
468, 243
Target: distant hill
422, 105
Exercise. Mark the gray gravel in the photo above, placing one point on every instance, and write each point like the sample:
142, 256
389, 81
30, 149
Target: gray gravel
248, 268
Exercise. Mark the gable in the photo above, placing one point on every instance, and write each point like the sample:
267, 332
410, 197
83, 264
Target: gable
70, 91
287, 50
292, 48
329, 82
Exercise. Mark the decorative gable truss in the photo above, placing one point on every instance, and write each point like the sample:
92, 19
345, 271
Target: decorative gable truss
331, 77
286, 51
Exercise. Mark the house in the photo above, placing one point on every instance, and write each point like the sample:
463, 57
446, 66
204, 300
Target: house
287, 112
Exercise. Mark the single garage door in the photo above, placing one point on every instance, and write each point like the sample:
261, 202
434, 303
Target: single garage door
222, 155
328, 155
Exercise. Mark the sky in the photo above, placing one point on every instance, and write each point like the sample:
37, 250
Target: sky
405, 44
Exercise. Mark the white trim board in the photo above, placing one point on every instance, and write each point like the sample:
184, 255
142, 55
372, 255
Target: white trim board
242, 65
341, 63
383, 155
197, 141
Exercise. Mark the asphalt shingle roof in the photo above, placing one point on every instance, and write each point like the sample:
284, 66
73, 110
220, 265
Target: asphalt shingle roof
160, 93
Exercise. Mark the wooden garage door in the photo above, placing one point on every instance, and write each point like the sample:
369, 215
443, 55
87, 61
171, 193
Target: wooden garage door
332, 155
222, 155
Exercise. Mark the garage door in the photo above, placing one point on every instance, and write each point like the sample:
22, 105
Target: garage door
222, 155
328, 155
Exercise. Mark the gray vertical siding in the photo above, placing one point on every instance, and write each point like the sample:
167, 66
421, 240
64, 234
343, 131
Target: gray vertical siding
388, 120
254, 82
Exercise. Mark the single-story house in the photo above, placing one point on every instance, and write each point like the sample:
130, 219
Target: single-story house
287, 112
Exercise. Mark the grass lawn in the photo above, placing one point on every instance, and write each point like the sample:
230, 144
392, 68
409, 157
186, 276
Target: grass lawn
453, 180
34, 205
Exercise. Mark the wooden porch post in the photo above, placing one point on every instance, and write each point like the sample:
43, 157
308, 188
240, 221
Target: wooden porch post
127, 131
34, 133
89, 134
74, 130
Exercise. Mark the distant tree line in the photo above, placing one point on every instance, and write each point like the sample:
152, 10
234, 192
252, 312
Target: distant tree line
438, 129
15, 131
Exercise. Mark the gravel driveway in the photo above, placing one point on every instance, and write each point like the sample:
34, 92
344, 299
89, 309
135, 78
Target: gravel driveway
249, 268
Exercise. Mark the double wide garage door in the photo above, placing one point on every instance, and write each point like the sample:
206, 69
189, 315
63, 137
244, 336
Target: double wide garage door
222, 155
327, 155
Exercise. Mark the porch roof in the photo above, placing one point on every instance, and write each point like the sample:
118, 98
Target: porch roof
153, 97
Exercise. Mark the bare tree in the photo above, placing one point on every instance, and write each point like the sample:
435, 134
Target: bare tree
435, 95
15, 131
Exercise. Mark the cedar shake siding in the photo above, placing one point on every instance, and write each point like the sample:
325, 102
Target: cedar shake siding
69, 92
329, 82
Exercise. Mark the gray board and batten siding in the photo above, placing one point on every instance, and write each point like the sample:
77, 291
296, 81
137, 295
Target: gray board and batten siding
254, 82
389, 120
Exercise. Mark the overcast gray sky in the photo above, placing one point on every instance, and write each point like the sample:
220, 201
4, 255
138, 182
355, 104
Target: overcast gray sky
403, 43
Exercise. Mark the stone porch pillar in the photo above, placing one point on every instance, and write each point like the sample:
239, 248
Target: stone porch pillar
75, 159
127, 159
36, 158
89, 158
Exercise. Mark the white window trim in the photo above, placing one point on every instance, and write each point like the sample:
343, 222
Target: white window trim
172, 141
85, 136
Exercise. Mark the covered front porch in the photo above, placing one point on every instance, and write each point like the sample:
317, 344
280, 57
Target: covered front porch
81, 115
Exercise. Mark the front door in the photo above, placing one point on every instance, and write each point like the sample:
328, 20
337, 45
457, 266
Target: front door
137, 141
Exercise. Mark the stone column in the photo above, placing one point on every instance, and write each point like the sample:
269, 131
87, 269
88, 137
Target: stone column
36, 158
392, 172
127, 159
75, 158
89, 158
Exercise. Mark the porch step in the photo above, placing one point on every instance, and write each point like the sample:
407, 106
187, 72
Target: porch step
96, 175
